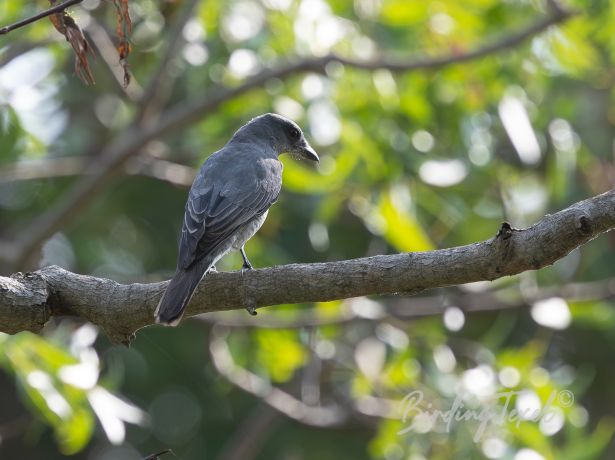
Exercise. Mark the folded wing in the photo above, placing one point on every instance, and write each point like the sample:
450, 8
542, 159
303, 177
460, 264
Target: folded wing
222, 203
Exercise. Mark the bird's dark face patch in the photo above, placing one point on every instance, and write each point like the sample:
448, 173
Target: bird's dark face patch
294, 134
296, 144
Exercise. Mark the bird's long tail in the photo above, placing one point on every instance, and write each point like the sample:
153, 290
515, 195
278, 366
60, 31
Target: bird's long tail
179, 292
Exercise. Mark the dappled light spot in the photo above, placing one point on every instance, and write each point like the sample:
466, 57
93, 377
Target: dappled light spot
393, 336
517, 124
509, 377
444, 358
113, 413
288, 107
479, 381
325, 125
423, 141
313, 86
195, 54
494, 448
443, 173
370, 355
42, 382
319, 236
553, 313
366, 308
442, 23
453, 318
528, 404
553, 422
528, 454
325, 349
243, 22
193, 31
280, 5
243, 62
58, 250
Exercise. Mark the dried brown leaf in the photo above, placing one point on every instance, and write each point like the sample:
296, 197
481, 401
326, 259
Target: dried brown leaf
67, 26
123, 29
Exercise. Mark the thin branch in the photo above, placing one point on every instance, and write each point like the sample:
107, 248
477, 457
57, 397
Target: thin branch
143, 165
159, 88
36, 17
324, 416
416, 307
278, 399
555, 5
28, 301
185, 113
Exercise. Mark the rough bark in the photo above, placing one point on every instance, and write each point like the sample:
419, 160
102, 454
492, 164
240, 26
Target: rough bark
28, 301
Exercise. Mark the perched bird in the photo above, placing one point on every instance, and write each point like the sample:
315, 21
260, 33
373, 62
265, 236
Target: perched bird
228, 202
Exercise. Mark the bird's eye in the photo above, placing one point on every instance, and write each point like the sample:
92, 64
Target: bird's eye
294, 134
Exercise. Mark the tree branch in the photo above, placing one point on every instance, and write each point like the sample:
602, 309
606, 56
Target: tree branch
36, 17
182, 114
159, 88
28, 301
420, 306
143, 165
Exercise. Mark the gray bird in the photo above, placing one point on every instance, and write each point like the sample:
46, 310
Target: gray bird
228, 202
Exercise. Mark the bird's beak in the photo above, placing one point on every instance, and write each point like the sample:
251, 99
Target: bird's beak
309, 153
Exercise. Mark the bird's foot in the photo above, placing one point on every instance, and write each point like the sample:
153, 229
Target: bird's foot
251, 306
250, 302
245, 267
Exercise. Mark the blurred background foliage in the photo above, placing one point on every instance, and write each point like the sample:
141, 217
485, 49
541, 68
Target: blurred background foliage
411, 161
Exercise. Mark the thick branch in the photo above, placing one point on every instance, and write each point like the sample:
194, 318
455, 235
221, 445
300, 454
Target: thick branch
27, 302
132, 142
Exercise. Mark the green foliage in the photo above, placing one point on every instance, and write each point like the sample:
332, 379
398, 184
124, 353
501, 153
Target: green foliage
58, 381
37, 365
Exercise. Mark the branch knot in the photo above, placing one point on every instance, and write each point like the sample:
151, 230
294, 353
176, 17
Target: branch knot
584, 225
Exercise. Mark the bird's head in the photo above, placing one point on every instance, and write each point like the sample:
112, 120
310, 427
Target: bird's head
285, 135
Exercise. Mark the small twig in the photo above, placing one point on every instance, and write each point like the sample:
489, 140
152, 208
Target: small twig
157, 455
44, 14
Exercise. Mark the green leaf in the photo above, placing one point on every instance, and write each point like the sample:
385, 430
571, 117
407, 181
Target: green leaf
401, 229
10, 135
280, 352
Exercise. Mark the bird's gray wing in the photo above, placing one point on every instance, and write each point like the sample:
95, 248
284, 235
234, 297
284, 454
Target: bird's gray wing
219, 204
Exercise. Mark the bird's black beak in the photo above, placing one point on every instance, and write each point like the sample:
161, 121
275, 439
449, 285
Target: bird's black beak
309, 153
